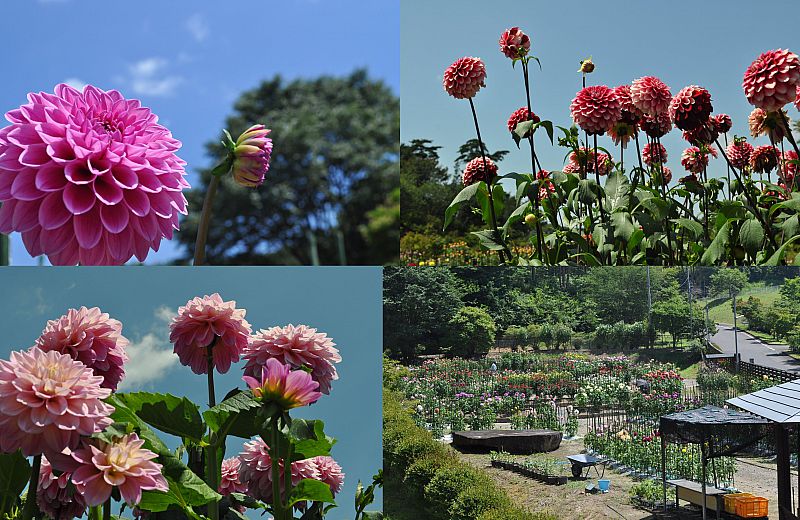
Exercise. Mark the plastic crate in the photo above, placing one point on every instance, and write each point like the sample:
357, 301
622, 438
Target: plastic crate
730, 501
752, 507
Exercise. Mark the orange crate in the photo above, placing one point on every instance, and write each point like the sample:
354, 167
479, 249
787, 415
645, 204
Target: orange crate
752, 507
730, 501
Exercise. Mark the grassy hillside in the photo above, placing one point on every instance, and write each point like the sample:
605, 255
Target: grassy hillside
721, 311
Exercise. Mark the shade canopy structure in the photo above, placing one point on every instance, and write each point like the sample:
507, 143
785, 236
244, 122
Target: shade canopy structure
780, 403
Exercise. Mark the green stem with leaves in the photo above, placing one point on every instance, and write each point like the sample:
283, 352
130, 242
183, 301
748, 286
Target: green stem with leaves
205, 221
534, 162
278, 510
31, 508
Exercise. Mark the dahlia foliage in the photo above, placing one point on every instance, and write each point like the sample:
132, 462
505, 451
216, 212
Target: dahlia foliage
89, 177
79, 444
737, 202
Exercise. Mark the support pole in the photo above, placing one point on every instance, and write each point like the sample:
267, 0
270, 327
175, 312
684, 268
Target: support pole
703, 464
664, 469
784, 472
735, 333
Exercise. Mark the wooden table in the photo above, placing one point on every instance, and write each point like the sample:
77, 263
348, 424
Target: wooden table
692, 492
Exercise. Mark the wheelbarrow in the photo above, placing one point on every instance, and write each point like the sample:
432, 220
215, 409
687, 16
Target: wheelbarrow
582, 465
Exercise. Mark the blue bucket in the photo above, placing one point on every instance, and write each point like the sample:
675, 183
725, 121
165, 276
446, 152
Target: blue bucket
603, 484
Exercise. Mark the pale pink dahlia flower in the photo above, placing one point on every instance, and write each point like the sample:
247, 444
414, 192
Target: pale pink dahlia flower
89, 177
520, 115
230, 483
514, 43
48, 401
739, 153
209, 322
251, 156
654, 153
767, 123
622, 133
694, 160
771, 81
764, 159
691, 107
656, 126
123, 464
256, 470
474, 171
91, 337
283, 386
465, 77
330, 472
722, 123
651, 95
595, 109
54, 495
300, 347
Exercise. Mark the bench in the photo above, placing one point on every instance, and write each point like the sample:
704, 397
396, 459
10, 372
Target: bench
692, 492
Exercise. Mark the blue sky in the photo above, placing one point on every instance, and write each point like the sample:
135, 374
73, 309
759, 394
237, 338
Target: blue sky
189, 61
683, 42
344, 302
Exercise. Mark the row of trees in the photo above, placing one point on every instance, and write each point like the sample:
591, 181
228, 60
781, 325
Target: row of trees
780, 319
601, 307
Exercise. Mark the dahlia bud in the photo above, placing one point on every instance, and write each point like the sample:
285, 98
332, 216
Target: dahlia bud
252, 153
587, 66
530, 219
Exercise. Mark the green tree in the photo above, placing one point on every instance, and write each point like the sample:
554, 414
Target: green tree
472, 332
672, 316
418, 303
334, 163
728, 281
472, 149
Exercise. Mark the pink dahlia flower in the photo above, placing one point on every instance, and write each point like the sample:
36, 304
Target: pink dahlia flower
465, 77
571, 167
256, 470
694, 160
771, 81
230, 483
595, 109
283, 386
621, 133
767, 123
788, 166
301, 347
48, 401
722, 123
690, 107
764, 159
704, 134
520, 115
330, 472
474, 171
630, 114
514, 43
585, 159
667, 175
209, 322
653, 153
54, 495
651, 95
251, 156
124, 464
546, 186
797, 99
89, 177
739, 153
656, 126
91, 337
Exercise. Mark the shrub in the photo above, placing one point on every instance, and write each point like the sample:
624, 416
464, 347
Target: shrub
474, 500
422, 471
514, 513
472, 332
447, 483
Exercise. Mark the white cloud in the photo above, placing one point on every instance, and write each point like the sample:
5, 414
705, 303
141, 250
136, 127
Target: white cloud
150, 77
165, 314
150, 359
197, 27
75, 83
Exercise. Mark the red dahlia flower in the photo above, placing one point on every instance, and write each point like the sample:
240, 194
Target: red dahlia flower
651, 95
465, 77
475, 171
630, 114
722, 123
788, 166
705, 134
595, 109
690, 107
764, 159
656, 126
514, 43
694, 160
520, 115
652, 154
771, 81
739, 153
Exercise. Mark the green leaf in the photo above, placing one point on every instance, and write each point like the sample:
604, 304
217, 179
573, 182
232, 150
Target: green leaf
186, 489
751, 235
635, 239
487, 239
623, 225
309, 439
516, 216
717, 247
462, 197
587, 191
692, 226
617, 190
777, 257
235, 416
174, 415
521, 129
658, 208
589, 259
310, 490
792, 204
548, 126
14, 474
499, 201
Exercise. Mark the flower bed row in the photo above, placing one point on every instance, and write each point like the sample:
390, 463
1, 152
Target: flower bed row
544, 470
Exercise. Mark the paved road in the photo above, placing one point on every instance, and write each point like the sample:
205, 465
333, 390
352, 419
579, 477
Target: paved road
752, 348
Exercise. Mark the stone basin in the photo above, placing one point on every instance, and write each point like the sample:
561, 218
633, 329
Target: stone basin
518, 442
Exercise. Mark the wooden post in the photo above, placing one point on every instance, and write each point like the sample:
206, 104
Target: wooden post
703, 464
784, 473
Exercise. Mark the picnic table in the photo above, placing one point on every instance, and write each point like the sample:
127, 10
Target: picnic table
585, 462
692, 492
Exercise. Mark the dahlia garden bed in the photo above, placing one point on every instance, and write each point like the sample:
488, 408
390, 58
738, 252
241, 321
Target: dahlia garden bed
616, 200
83, 447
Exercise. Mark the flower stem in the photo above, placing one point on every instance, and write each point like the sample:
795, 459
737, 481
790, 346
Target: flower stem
107, 510
498, 237
31, 508
789, 135
534, 160
205, 220
211, 449
287, 475
277, 502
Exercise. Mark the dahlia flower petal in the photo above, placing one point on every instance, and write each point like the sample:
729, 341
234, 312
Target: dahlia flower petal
86, 230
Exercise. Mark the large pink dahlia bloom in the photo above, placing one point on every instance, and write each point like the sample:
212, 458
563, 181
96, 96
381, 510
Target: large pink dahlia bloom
209, 322
330, 472
251, 156
123, 464
48, 401
691, 107
514, 43
465, 77
256, 470
739, 153
764, 159
230, 483
651, 95
54, 495
283, 386
89, 177
475, 171
771, 81
595, 109
300, 347
91, 337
